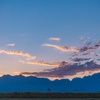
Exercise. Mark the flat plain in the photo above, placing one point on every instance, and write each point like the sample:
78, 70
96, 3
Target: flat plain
49, 98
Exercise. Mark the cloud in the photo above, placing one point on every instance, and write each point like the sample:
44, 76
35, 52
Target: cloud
83, 49
73, 48
80, 59
87, 42
57, 39
40, 63
63, 48
10, 44
87, 48
98, 41
59, 62
69, 71
97, 54
81, 38
73, 54
29, 57
87, 53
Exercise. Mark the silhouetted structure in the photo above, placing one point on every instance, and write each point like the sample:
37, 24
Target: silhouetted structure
49, 90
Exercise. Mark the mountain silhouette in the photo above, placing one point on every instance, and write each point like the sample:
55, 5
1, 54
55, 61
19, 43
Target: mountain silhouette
21, 83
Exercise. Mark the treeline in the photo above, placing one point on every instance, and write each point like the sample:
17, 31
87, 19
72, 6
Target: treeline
48, 95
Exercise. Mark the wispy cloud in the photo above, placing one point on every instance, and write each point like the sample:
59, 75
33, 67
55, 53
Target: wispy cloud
10, 44
88, 42
57, 39
69, 71
63, 48
88, 49
40, 63
29, 57
85, 48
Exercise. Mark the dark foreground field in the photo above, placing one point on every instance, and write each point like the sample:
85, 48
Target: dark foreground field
50, 99
49, 96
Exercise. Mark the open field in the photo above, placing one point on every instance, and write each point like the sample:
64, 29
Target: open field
52, 95
50, 99
49, 96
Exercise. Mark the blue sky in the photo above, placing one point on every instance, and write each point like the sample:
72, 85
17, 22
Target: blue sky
30, 23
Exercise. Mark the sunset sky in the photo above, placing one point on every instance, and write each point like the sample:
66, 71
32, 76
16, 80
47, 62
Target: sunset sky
55, 39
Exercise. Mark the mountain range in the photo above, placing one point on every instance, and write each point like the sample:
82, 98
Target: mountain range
21, 83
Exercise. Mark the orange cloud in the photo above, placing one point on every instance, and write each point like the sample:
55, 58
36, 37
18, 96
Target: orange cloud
73, 53
57, 39
40, 63
55, 63
29, 57
98, 41
63, 48
87, 42
73, 48
10, 44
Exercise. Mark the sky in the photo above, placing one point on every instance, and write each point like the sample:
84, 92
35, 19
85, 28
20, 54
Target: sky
55, 39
